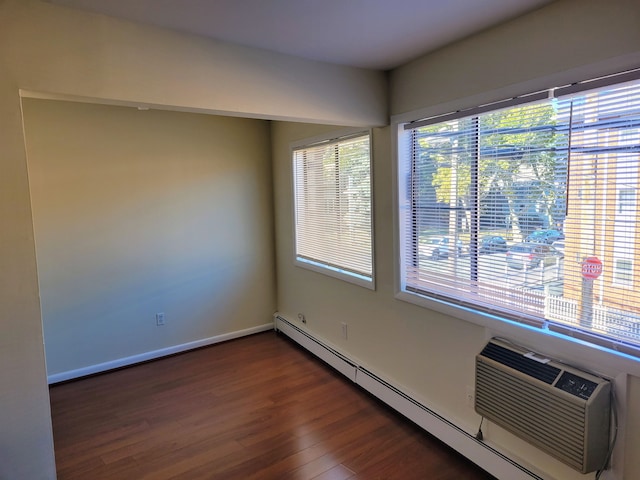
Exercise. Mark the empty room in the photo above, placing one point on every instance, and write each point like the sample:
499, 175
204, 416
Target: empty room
426, 209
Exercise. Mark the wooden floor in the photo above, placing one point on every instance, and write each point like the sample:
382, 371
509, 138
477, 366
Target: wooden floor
253, 408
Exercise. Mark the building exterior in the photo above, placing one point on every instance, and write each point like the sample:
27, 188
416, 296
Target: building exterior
602, 211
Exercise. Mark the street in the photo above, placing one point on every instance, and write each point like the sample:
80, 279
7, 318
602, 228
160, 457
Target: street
492, 269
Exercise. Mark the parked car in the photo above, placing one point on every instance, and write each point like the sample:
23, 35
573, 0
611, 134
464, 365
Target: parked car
545, 236
531, 255
439, 248
492, 244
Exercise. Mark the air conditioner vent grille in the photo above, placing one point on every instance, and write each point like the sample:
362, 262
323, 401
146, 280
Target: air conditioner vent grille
550, 423
543, 372
560, 409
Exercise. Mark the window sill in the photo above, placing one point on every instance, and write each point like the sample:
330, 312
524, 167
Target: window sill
338, 273
588, 356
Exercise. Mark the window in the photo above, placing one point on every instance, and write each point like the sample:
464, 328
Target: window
626, 201
332, 195
623, 272
501, 206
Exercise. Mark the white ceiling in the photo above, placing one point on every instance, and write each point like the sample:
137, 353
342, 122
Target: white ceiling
375, 34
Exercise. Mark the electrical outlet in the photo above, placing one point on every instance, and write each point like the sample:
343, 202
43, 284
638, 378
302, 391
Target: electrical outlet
344, 330
160, 319
471, 397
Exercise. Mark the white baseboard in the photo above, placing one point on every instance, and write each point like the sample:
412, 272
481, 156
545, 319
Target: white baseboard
480, 453
163, 352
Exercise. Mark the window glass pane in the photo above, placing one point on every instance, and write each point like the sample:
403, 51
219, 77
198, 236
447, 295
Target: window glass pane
481, 188
518, 210
623, 272
332, 183
626, 200
603, 220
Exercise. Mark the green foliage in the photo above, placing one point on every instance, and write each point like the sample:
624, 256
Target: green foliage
513, 152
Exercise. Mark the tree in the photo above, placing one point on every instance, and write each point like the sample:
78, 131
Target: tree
512, 151
519, 155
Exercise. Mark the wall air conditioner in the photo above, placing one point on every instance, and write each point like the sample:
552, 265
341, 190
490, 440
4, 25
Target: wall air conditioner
559, 409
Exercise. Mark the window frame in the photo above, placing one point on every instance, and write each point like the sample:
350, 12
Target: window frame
579, 345
325, 268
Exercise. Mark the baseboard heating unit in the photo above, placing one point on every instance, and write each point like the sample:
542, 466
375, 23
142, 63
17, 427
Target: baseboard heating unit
481, 453
559, 409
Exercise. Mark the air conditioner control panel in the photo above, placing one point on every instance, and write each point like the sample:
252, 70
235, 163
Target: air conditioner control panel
575, 385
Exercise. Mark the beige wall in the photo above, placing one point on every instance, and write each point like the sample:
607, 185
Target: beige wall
422, 351
45, 49
389, 336
138, 212
563, 42
417, 348
50, 51
632, 426
414, 348
61, 51
26, 447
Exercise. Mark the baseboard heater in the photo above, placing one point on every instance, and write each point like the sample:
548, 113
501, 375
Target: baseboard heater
482, 454
559, 409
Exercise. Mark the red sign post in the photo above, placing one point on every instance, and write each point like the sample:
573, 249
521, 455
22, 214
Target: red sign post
591, 268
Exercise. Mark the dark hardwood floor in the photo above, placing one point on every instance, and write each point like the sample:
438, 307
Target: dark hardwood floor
254, 408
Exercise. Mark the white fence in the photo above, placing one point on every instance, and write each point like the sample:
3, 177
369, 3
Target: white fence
608, 320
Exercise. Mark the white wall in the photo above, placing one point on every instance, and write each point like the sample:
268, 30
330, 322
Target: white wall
563, 42
427, 352
47, 50
138, 212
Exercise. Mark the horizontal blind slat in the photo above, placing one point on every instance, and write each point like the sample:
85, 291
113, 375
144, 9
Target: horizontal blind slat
333, 204
514, 175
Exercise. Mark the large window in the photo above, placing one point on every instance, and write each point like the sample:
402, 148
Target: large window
332, 194
527, 210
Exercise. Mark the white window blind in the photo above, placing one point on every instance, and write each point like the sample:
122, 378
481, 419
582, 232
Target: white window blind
332, 194
500, 209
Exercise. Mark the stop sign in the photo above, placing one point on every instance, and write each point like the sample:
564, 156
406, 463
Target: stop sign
591, 268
